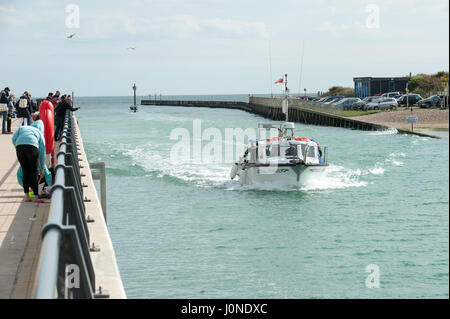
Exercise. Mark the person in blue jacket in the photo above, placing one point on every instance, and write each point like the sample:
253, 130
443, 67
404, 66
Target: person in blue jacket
29, 142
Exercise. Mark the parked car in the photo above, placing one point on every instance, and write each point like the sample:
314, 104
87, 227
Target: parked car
432, 101
347, 103
386, 103
392, 94
321, 100
360, 105
335, 100
413, 99
331, 98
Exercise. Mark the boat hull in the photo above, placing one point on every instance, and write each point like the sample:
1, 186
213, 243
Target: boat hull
273, 176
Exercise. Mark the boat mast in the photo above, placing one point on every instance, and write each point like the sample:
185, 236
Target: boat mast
286, 97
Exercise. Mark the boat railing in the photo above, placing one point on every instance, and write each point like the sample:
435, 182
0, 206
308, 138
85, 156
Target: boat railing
65, 265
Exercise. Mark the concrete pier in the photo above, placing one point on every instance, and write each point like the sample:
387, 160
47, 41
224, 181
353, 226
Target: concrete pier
299, 111
21, 226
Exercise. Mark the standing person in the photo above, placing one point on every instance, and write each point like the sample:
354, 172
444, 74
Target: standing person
49, 97
30, 149
60, 113
10, 113
4, 101
55, 99
23, 107
31, 109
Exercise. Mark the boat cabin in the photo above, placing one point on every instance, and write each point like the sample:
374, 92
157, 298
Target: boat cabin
285, 148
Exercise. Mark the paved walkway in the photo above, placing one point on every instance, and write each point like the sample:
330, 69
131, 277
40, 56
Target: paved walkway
20, 226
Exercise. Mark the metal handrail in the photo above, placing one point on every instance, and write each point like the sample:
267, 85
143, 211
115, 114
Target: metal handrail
65, 238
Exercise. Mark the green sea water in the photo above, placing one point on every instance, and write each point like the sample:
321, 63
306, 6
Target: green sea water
185, 230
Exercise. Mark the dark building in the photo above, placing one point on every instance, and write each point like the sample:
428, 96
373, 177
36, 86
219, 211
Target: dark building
368, 86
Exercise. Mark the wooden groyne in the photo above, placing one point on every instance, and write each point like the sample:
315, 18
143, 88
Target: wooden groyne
299, 111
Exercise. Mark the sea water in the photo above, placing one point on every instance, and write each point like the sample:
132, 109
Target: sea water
183, 229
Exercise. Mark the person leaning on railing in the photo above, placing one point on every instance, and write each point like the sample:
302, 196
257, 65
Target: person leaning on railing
60, 113
29, 142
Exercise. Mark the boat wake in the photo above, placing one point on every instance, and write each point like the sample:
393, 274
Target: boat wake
216, 175
390, 131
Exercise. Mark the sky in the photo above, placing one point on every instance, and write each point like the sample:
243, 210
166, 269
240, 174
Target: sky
207, 47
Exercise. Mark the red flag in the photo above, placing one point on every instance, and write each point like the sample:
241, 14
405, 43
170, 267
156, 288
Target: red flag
279, 81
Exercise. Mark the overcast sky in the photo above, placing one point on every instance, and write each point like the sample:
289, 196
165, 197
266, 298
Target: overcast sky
215, 47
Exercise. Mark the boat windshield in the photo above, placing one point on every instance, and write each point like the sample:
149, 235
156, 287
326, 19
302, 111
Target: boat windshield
289, 151
272, 150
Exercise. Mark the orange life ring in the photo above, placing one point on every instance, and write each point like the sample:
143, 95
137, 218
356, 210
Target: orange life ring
305, 139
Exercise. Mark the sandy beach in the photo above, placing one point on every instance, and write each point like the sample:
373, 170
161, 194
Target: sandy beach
429, 119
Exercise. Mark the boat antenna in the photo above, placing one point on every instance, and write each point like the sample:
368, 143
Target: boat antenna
301, 68
270, 69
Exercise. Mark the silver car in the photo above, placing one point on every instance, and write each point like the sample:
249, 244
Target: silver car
385, 103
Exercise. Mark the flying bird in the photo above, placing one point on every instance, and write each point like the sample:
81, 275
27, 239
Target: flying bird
71, 36
131, 48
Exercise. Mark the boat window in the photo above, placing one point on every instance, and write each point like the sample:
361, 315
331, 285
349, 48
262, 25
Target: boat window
311, 151
304, 148
252, 155
272, 150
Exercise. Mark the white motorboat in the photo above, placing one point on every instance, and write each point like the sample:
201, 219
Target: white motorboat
284, 160
280, 159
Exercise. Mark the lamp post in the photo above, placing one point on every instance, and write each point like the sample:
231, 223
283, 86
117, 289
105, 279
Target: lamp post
134, 89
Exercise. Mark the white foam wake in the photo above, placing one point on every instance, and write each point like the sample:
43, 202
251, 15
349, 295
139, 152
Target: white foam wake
393, 158
213, 174
389, 131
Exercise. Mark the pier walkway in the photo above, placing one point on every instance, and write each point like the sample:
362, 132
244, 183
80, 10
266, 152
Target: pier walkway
26, 261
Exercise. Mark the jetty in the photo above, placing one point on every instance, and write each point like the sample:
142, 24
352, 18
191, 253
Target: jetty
62, 248
300, 111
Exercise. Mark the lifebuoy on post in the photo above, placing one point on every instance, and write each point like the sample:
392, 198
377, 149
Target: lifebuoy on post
47, 116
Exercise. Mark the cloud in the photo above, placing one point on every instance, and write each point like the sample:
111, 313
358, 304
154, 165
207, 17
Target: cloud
129, 24
339, 30
185, 25
237, 27
10, 16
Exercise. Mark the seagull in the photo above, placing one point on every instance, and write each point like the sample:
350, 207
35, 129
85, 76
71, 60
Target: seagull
71, 36
131, 48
